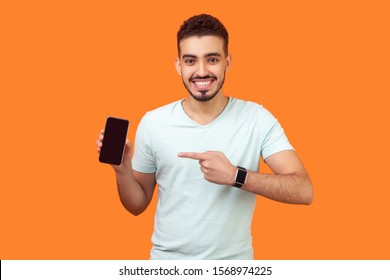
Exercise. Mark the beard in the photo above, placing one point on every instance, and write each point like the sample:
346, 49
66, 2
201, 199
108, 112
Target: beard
203, 97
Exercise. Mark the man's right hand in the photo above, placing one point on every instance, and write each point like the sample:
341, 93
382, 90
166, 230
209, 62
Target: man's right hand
126, 162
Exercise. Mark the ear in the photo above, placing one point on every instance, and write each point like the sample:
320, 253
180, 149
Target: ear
177, 66
228, 62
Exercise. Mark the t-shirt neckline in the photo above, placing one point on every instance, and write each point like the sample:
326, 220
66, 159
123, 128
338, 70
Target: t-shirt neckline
220, 115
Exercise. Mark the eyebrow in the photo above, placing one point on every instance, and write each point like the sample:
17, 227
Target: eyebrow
206, 55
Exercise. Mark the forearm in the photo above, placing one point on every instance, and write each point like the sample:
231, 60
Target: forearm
295, 188
131, 193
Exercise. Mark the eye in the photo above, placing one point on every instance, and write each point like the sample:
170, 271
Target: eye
189, 61
213, 60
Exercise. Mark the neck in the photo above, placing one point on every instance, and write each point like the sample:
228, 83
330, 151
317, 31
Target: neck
204, 112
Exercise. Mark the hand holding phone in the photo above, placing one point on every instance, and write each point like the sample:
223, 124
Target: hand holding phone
113, 145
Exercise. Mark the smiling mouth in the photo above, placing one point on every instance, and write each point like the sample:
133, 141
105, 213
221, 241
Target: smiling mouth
202, 84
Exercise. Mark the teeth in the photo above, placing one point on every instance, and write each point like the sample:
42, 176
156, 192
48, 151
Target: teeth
203, 83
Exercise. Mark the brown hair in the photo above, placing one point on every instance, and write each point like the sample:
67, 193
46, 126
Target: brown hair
203, 25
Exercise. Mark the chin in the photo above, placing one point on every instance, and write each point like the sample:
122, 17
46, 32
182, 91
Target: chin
203, 97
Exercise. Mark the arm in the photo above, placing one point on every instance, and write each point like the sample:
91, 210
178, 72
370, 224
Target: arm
290, 183
135, 188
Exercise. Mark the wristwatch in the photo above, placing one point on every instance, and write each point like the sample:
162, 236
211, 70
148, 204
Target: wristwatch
241, 176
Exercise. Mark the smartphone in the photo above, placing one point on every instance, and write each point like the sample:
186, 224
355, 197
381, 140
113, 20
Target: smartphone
114, 141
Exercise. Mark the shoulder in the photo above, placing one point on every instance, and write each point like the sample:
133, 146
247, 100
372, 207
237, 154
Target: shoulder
249, 108
162, 112
252, 113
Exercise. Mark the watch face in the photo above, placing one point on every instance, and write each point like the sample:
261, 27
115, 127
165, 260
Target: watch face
241, 176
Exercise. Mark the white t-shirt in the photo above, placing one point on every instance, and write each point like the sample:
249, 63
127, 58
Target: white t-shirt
196, 219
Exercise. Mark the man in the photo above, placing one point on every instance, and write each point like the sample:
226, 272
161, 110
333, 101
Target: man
204, 153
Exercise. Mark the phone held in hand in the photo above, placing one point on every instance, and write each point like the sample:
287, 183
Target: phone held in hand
114, 141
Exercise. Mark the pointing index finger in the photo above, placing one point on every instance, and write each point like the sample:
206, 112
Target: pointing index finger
191, 155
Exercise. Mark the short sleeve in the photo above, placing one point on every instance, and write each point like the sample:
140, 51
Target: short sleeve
275, 140
143, 157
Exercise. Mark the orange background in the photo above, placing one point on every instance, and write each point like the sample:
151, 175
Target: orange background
321, 67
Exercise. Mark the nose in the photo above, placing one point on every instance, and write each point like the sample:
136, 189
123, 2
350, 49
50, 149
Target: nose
202, 69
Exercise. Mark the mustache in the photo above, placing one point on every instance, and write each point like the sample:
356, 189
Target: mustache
203, 78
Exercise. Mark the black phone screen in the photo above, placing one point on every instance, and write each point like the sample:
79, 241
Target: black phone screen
114, 141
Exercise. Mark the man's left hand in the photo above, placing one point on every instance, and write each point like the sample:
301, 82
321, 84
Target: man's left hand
215, 166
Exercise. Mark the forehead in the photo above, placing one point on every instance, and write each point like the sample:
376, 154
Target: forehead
201, 46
